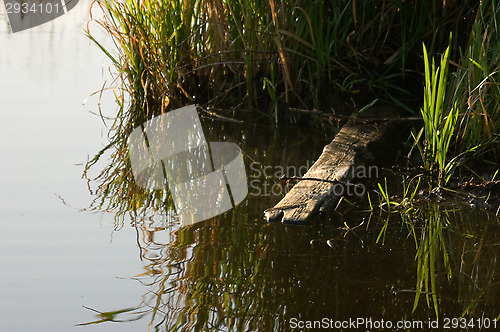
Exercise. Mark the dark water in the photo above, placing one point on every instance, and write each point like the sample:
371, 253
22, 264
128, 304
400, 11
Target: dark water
237, 272
62, 264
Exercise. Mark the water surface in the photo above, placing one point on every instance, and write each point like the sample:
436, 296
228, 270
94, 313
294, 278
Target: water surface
232, 272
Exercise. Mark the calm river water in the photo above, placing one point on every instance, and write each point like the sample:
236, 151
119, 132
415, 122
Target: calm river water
62, 264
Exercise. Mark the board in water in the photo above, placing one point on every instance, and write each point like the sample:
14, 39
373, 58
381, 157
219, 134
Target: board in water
317, 189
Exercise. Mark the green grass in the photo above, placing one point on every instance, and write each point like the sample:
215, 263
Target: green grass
461, 115
440, 119
219, 53
476, 87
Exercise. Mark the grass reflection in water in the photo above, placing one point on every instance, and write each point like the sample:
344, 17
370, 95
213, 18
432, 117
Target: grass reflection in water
236, 272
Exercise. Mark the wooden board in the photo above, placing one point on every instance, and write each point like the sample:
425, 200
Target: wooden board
333, 168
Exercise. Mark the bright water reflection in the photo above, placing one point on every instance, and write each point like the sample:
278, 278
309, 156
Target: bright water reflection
54, 259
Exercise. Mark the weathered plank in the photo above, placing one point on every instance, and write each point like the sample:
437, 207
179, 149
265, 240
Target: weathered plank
318, 188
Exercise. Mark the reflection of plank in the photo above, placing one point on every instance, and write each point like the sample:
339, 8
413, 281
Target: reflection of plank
332, 170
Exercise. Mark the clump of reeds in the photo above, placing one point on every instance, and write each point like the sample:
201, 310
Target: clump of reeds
440, 119
477, 83
312, 54
462, 115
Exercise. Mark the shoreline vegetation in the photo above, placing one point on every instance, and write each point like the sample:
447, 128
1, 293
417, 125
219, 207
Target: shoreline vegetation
332, 59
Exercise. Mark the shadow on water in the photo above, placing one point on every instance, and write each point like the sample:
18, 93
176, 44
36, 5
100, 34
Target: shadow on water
237, 272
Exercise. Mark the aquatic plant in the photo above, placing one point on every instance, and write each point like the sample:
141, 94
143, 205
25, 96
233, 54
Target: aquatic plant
403, 204
440, 119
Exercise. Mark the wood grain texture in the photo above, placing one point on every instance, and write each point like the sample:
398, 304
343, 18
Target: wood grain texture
334, 165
